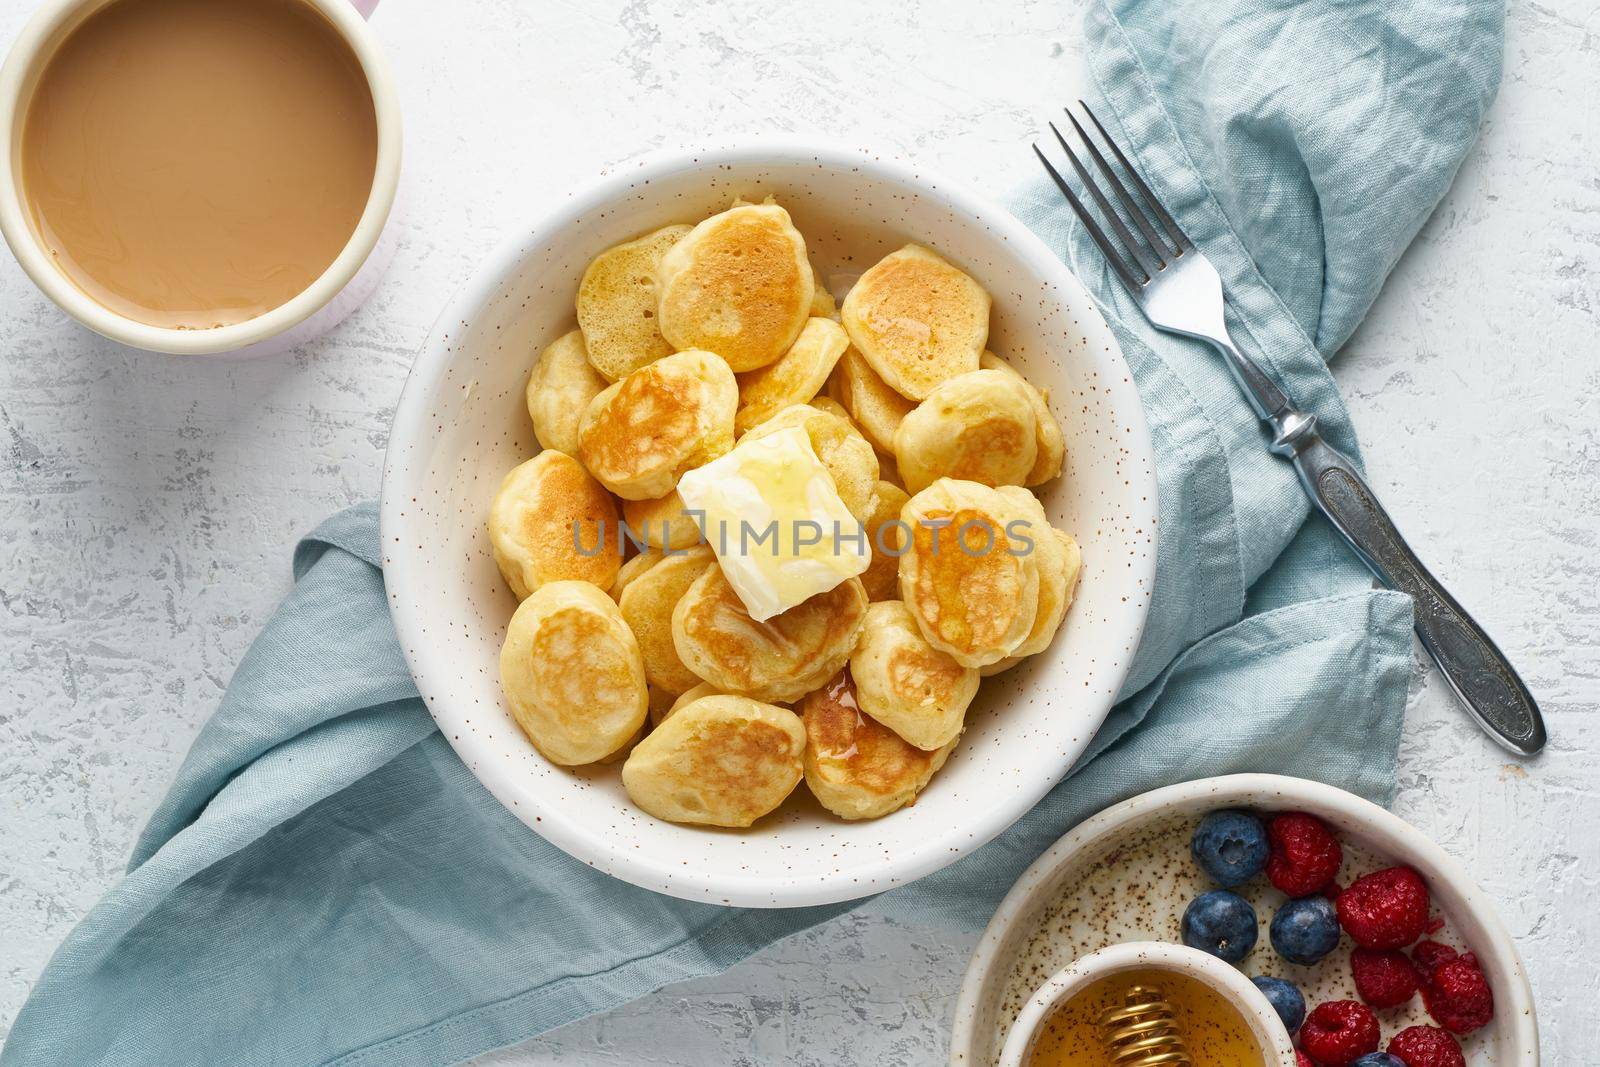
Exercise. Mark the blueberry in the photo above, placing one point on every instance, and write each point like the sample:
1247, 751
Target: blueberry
1221, 923
1378, 1059
1230, 846
1305, 930
1285, 999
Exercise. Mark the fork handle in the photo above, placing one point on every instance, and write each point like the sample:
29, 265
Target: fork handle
1479, 673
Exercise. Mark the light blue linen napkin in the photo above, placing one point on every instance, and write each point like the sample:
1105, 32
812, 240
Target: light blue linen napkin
327, 884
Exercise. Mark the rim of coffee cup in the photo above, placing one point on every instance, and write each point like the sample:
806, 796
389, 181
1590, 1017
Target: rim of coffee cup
18, 77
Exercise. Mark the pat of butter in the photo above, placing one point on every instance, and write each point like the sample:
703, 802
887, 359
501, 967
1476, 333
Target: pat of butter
773, 516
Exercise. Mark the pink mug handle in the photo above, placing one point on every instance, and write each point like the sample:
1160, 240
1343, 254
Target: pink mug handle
364, 8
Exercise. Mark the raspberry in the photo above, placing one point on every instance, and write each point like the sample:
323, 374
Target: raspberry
1426, 1046
1385, 909
1429, 954
1385, 978
1304, 856
1339, 1031
1457, 995
1302, 1060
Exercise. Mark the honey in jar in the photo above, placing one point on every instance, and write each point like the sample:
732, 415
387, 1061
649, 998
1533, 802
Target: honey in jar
1146, 1018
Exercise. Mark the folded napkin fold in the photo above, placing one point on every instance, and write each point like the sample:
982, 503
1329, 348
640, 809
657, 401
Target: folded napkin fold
326, 883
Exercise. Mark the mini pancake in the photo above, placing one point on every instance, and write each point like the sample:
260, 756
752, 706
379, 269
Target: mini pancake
1059, 564
793, 379
779, 660
618, 304
572, 673
875, 407
683, 700
914, 689
917, 320
632, 569
661, 523
822, 302
846, 454
660, 705
833, 407
1052, 446
856, 767
532, 522
889, 471
738, 284
647, 604
972, 589
559, 389
640, 434
882, 577
720, 761
978, 427
627, 746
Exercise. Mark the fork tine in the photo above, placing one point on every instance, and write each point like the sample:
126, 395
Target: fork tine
1140, 255
1135, 212
1112, 256
1179, 238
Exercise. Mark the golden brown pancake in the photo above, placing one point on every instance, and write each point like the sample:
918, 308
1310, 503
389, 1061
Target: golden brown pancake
642, 433
778, 660
793, 379
875, 407
572, 673
627, 746
1059, 562
836, 409
532, 519
631, 569
647, 605
882, 578
914, 689
661, 523
970, 586
847, 455
661, 704
889, 471
619, 304
978, 427
917, 320
683, 700
559, 389
1052, 446
856, 767
720, 761
739, 284
822, 302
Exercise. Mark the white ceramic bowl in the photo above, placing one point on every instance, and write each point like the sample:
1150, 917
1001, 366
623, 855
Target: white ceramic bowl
1271, 1038
461, 424
339, 290
1109, 842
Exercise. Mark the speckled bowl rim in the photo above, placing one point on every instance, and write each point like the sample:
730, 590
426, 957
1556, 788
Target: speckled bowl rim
413, 421
1471, 910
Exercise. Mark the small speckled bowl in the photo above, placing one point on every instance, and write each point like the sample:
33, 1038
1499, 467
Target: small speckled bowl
1125, 875
461, 424
1271, 1038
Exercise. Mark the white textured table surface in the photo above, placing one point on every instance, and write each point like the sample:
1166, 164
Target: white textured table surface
148, 506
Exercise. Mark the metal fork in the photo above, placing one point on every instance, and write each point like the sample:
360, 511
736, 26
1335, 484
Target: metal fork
1180, 292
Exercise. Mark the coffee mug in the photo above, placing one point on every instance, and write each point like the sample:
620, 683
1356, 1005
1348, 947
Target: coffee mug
347, 281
